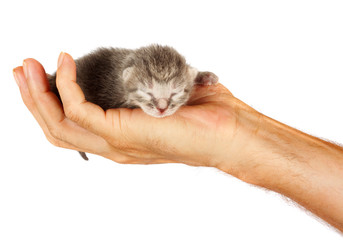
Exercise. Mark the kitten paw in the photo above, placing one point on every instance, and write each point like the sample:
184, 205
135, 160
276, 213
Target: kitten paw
206, 78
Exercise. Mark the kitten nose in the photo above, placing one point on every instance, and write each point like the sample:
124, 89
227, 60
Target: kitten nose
162, 105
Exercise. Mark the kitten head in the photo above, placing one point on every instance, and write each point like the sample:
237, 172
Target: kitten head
158, 80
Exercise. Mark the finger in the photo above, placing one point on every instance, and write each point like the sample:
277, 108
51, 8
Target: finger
76, 108
51, 111
204, 94
29, 103
124, 158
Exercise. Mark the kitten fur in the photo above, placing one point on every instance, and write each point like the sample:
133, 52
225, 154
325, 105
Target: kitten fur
155, 78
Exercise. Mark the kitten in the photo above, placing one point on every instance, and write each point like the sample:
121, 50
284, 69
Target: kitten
155, 78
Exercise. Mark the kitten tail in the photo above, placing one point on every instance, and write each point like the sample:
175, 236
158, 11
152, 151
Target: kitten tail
84, 156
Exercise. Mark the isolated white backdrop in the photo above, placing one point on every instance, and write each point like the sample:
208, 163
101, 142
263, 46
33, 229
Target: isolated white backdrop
284, 58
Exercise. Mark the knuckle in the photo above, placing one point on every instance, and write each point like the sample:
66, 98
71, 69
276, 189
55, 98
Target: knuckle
28, 104
73, 114
55, 133
122, 146
53, 141
122, 159
70, 113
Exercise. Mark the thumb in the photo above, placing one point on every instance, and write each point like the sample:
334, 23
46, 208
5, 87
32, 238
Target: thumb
86, 114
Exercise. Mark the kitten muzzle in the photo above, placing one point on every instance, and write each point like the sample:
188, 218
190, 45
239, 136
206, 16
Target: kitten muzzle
162, 104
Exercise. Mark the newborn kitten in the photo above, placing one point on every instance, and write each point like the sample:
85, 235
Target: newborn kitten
155, 78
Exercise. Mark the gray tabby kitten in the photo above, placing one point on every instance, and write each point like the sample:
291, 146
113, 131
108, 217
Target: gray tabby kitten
155, 78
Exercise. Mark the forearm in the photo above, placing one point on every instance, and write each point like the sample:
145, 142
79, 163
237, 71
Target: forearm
299, 166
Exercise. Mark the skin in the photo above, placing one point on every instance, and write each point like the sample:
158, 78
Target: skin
215, 130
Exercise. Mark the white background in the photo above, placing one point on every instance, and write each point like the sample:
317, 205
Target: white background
284, 58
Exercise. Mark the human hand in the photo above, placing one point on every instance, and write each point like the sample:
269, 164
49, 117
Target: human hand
215, 129
202, 133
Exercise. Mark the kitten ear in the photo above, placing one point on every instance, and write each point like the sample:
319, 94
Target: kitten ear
192, 73
127, 73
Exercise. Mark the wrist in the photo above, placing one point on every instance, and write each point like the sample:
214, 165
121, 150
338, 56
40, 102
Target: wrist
239, 157
273, 153
262, 149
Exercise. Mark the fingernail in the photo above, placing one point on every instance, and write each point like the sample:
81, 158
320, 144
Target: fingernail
15, 77
60, 59
26, 70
